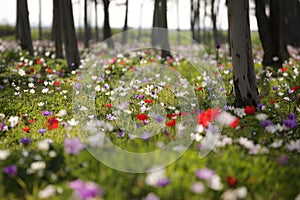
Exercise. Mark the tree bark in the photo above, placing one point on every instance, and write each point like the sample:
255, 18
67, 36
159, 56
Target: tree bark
70, 40
246, 92
192, 19
87, 27
23, 33
106, 29
271, 32
291, 22
165, 52
140, 25
96, 21
195, 20
178, 26
156, 23
228, 31
214, 23
57, 28
125, 27
40, 20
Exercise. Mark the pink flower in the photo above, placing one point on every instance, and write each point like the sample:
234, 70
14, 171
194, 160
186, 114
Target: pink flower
73, 146
85, 190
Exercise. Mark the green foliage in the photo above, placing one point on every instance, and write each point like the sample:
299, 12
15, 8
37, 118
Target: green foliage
264, 176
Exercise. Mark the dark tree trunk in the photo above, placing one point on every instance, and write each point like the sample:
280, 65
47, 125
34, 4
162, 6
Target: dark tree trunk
291, 22
96, 21
106, 29
246, 92
70, 40
57, 28
276, 25
125, 27
195, 20
156, 23
228, 31
264, 32
214, 23
23, 33
40, 20
165, 52
87, 27
271, 32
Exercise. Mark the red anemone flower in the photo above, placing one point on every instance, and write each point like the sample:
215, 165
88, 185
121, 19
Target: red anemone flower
148, 100
171, 123
142, 117
231, 181
209, 115
52, 123
249, 110
26, 129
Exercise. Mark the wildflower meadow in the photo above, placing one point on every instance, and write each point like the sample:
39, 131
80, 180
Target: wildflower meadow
70, 134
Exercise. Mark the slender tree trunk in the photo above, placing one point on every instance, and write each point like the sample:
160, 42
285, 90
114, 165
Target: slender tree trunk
178, 26
243, 68
40, 20
205, 34
214, 23
70, 40
87, 27
156, 23
228, 30
192, 20
23, 32
165, 52
106, 30
125, 27
96, 21
197, 22
140, 25
57, 28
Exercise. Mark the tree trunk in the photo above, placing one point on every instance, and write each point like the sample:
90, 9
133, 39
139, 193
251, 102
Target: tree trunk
23, 32
246, 92
70, 39
205, 34
140, 25
178, 26
96, 21
165, 52
195, 20
228, 30
87, 27
40, 20
214, 23
124, 33
271, 32
106, 29
156, 23
57, 28
291, 22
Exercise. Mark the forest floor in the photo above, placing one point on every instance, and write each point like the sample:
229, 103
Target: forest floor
59, 128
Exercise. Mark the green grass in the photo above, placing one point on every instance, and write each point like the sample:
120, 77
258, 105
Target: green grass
262, 174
